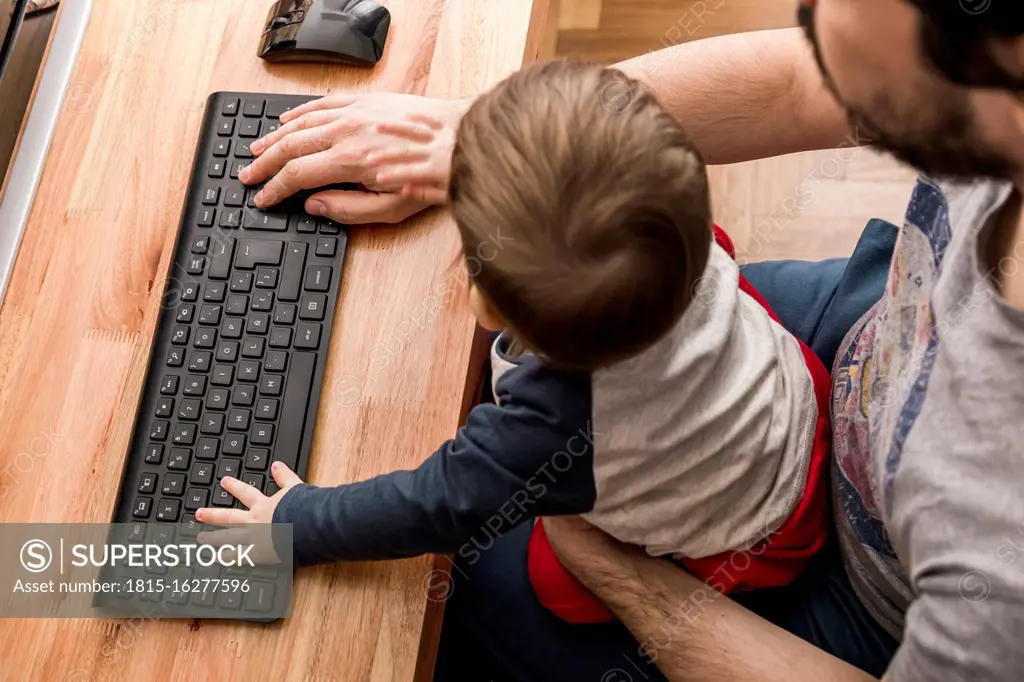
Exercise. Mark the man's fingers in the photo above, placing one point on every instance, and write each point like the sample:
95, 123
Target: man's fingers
293, 148
306, 172
415, 132
357, 208
329, 102
283, 476
313, 119
411, 174
222, 517
241, 491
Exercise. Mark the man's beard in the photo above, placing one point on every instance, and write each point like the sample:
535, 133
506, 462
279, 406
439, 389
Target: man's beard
945, 148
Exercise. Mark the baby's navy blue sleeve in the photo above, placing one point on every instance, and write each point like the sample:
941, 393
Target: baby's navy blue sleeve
530, 455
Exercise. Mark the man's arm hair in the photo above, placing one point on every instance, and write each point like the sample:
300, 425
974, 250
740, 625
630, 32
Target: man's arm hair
690, 631
745, 96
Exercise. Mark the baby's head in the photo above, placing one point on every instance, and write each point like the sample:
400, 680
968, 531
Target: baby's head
584, 213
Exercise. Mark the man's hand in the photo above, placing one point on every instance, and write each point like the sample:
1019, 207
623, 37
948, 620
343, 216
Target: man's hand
330, 141
255, 521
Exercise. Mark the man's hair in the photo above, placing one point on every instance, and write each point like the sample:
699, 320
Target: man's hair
601, 203
958, 36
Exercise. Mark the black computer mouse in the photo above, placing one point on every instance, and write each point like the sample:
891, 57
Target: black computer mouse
336, 31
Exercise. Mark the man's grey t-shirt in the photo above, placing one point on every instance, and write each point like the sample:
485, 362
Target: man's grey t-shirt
928, 414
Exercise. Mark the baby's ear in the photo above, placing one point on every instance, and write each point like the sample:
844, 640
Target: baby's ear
486, 316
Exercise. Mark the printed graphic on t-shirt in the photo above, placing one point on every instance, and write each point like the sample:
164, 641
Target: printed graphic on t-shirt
891, 376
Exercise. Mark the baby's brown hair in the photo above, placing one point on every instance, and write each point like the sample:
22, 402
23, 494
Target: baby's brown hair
601, 205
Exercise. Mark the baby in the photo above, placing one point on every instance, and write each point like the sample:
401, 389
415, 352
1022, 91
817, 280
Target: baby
640, 381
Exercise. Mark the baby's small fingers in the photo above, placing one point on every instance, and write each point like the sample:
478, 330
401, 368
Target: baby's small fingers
414, 132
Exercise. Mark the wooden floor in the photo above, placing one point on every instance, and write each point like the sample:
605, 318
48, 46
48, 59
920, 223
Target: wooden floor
807, 206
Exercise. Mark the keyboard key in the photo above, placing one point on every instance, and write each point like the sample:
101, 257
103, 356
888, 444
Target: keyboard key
291, 273
329, 227
199, 360
218, 399
255, 480
293, 412
230, 601
280, 337
229, 467
207, 448
183, 434
277, 360
252, 347
253, 252
238, 420
234, 197
258, 323
266, 409
250, 129
307, 335
262, 434
174, 484
216, 169
200, 244
304, 223
223, 375
231, 219
175, 357
260, 596
236, 169
237, 304
165, 407
141, 508
228, 351
195, 265
205, 338
273, 127
232, 328
189, 292
226, 127
248, 370
257, 459
215, 292
257, 220
326, 246
241, 282
284, 313
276, 107
318, 278
211, 195
154, 453
202, 473
222, 148
195, 385
196, 498
190, 528
223, 250
147, 484
254, 108
206, 217
242, 150
263, 300
169, 384
244, 396
180, 457
271, 385
210, 314
234, 444
179, 335
185, 313
266, 278
313, 307
213, 424
168, 510
230, 106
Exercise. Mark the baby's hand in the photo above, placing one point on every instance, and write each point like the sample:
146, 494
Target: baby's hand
255, 521
422, 166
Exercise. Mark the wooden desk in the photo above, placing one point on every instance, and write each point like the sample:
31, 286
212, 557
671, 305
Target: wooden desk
79, 316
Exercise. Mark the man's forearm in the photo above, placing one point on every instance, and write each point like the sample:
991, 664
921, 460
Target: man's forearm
692, 632
745, 96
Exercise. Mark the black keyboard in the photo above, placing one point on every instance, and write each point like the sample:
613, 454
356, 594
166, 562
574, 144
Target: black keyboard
238, 358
